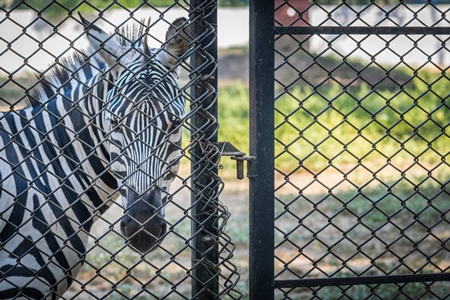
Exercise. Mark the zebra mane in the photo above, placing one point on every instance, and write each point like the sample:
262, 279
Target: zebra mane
77, 65
135, 33
61, 75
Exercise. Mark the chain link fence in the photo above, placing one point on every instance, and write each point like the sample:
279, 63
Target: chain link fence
368, 196
361, 127
194, 260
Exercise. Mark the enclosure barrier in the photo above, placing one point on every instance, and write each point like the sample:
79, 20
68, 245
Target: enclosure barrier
194, 260
353, 203
349, 142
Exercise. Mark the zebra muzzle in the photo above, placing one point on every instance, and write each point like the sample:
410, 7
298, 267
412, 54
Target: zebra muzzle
142, 224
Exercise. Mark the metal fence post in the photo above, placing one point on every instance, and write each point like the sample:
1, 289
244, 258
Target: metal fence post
261, 221
205, 182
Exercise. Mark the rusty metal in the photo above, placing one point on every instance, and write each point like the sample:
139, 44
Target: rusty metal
228, 149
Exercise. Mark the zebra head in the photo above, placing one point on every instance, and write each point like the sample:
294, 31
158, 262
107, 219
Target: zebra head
142, 117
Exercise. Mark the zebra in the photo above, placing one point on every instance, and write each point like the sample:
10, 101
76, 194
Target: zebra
106, 121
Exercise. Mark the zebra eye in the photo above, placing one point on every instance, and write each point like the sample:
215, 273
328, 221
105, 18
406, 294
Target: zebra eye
142, 76
115, 124
175, 124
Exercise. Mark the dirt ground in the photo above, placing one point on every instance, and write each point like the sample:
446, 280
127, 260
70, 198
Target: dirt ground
362, 240
112, 271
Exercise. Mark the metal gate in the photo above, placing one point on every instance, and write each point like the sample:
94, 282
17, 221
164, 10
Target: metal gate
349, 118
194, 260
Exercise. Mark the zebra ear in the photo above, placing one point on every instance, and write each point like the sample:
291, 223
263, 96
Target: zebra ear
106, 46
177, 42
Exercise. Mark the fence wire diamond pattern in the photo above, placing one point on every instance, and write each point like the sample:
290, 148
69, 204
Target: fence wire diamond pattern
33, 33
366, 118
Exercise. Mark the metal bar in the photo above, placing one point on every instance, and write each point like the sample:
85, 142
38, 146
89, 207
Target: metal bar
362, 30
361, 280
261, 110
204, 197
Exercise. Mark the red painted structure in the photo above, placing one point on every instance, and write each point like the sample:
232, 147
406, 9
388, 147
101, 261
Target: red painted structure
291, 13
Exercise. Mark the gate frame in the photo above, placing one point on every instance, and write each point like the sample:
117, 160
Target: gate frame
263, 30
261, 115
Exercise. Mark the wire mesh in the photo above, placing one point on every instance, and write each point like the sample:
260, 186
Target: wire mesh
361, 150
34, 34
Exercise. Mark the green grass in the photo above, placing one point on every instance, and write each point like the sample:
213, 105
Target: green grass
339, 126
233, 115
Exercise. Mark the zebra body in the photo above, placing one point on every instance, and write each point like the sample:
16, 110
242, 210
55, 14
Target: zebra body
98, 129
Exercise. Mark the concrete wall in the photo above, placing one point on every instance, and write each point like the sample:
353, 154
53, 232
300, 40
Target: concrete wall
412, 49
28, 43
35, 50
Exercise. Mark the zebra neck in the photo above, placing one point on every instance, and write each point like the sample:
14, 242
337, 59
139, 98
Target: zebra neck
74, 126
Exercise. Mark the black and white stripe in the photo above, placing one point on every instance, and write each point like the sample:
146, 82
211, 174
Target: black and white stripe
93, 127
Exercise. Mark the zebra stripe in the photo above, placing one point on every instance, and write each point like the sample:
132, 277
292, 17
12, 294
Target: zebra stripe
92, 128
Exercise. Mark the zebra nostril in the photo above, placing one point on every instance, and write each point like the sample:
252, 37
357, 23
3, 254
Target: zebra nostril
164, 228
123, 223
145, 236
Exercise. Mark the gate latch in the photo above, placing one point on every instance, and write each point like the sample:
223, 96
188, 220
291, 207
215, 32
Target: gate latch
228, 149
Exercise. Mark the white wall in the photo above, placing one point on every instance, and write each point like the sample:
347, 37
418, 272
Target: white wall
35, 50
374, 47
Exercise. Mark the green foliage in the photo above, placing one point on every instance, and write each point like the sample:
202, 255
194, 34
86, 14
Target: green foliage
332, 125
345, 126
233, 2
233, 115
